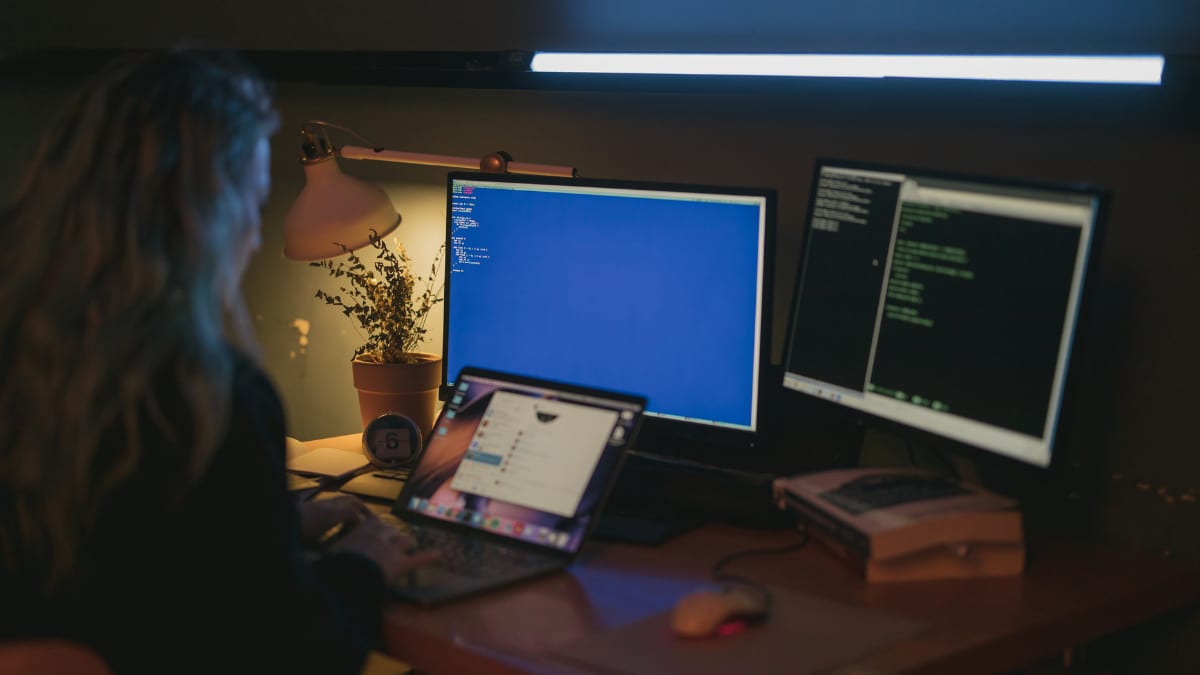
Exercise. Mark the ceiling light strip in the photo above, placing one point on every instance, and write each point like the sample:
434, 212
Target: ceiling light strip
1145, 69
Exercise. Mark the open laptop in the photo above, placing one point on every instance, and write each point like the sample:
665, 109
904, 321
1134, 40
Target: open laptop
511, 480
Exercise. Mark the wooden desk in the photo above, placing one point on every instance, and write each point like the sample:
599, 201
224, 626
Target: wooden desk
1070, 594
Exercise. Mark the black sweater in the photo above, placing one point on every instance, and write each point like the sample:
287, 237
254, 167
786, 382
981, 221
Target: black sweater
217, 582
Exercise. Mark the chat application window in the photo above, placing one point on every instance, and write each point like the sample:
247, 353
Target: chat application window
535, 452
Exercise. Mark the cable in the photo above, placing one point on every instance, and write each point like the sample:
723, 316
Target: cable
949, 465
718, 573
912, 458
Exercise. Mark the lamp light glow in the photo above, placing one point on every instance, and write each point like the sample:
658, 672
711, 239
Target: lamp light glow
334, 209
1143, 69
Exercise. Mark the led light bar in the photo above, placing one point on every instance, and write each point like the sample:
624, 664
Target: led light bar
1145, 69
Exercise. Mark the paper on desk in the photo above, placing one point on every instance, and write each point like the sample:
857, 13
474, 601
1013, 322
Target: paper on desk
303, 487
371, 484
295, 448
327, 462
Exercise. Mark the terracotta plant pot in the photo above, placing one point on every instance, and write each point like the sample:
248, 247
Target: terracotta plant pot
407, 388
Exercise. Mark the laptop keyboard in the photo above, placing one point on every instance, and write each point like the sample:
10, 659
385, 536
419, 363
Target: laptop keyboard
465, 555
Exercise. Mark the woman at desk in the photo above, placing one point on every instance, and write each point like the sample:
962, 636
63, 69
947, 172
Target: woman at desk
143, 502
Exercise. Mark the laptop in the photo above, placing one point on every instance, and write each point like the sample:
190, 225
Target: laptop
511, 480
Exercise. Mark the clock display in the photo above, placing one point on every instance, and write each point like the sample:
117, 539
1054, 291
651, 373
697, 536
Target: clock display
392, 441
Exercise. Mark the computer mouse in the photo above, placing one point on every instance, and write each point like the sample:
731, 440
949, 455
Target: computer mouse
717, 612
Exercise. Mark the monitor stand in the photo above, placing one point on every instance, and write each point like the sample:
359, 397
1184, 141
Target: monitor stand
658, 498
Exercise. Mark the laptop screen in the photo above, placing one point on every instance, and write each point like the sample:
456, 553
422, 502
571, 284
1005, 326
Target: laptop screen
520, 458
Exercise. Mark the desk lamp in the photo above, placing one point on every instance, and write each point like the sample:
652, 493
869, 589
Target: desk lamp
334, 208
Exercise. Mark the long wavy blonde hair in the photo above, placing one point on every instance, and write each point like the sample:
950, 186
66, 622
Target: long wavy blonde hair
117, 262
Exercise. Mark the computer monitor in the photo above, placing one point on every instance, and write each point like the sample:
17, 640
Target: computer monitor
943, 303
656, 289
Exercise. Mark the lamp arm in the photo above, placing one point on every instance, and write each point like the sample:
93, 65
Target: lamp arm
541, 169
401, 157
496, 162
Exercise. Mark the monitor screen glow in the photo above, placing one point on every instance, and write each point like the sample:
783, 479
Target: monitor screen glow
945, 303
657, 289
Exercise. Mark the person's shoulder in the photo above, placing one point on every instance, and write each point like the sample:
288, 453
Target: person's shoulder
250, 382
247, 370
256, 405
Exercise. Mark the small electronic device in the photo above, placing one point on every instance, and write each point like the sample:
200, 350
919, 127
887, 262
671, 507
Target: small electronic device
944, 305
717, 612
392, 441
512, 480
905, 524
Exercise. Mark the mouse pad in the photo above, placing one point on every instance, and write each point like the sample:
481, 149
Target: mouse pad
803, 635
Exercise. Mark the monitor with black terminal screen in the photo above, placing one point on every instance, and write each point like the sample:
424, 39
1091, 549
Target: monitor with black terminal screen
655, 288
944, 307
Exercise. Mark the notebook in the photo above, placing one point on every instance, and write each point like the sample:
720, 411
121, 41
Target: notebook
511, 480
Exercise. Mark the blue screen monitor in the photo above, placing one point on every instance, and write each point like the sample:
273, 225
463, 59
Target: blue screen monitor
943, 303
656, 289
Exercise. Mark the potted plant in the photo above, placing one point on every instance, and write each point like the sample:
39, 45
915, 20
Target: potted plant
390, 373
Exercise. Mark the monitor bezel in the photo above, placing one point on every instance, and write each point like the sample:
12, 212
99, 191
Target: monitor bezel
1001, 462
697, 442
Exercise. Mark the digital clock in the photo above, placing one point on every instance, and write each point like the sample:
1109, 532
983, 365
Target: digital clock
392, 441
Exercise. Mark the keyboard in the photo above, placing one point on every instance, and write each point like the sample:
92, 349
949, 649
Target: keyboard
881, 491
466, 555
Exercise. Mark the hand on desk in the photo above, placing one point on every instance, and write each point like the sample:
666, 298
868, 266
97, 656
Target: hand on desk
383, 543
352, 526
322, 515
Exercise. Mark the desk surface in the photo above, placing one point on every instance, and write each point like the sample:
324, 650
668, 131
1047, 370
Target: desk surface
1070, 593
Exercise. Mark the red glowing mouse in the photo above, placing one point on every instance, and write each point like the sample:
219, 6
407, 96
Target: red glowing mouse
717, 612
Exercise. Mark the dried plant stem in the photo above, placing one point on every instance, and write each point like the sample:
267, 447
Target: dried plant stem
385, 302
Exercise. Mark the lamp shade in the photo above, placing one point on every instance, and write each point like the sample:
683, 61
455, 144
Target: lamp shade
334, 209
